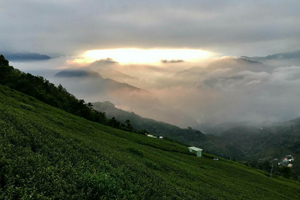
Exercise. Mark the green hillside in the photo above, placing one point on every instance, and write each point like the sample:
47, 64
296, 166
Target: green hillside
186, 136
47, 153
260, 145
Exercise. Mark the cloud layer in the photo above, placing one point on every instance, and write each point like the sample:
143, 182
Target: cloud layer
72, 27
238, 93
227, 90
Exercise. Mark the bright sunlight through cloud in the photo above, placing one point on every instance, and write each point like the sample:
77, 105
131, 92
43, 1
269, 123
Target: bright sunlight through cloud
144, 56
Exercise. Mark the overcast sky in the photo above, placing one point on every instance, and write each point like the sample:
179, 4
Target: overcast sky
220, 28
70, 27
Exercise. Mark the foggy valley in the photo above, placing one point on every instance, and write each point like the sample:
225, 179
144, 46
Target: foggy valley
226, 90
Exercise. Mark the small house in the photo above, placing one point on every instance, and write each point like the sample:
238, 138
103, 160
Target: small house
152, 136
196, 151
149, 135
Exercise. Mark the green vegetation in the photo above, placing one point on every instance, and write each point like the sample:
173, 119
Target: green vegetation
47, 153
257, 147
185, 136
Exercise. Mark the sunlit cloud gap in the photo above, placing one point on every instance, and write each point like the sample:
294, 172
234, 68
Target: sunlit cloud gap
144, 56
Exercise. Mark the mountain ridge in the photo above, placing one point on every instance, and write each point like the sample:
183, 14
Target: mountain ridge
20, 57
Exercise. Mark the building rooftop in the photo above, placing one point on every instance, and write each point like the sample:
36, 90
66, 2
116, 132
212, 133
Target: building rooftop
195, 148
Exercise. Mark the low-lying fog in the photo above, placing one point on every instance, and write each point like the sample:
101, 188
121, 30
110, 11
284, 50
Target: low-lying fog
184, 94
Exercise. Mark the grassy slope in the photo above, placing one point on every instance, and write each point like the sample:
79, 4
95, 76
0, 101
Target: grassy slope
185, 136
46, 153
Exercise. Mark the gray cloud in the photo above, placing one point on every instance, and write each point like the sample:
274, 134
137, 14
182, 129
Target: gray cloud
226, 96
217, 93
171, 61
71, 27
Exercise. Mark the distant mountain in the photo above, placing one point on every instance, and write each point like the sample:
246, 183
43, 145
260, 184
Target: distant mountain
235, 65
239, 64
223, 72
279, 59
92, 81
190, 71
107, 68
78, 74
116, 75
19, 57
277, 56
123, 78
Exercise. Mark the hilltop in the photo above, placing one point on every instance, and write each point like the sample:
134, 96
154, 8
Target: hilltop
21, 57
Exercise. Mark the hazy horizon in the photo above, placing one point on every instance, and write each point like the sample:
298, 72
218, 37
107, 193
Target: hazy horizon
225, 91
167, 48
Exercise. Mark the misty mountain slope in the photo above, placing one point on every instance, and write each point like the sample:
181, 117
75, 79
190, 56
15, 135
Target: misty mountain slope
225, 70
108, 69
250, 126
95, 80
91, 86
190, 71
21, 57
78, 74
239, 64
236, 90
109, 73
186, 136
254, 143
48, 153
232, 65
119, 76
278, 59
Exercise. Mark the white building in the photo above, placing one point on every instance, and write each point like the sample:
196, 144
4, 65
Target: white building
152, 136
196, 150
149, 135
